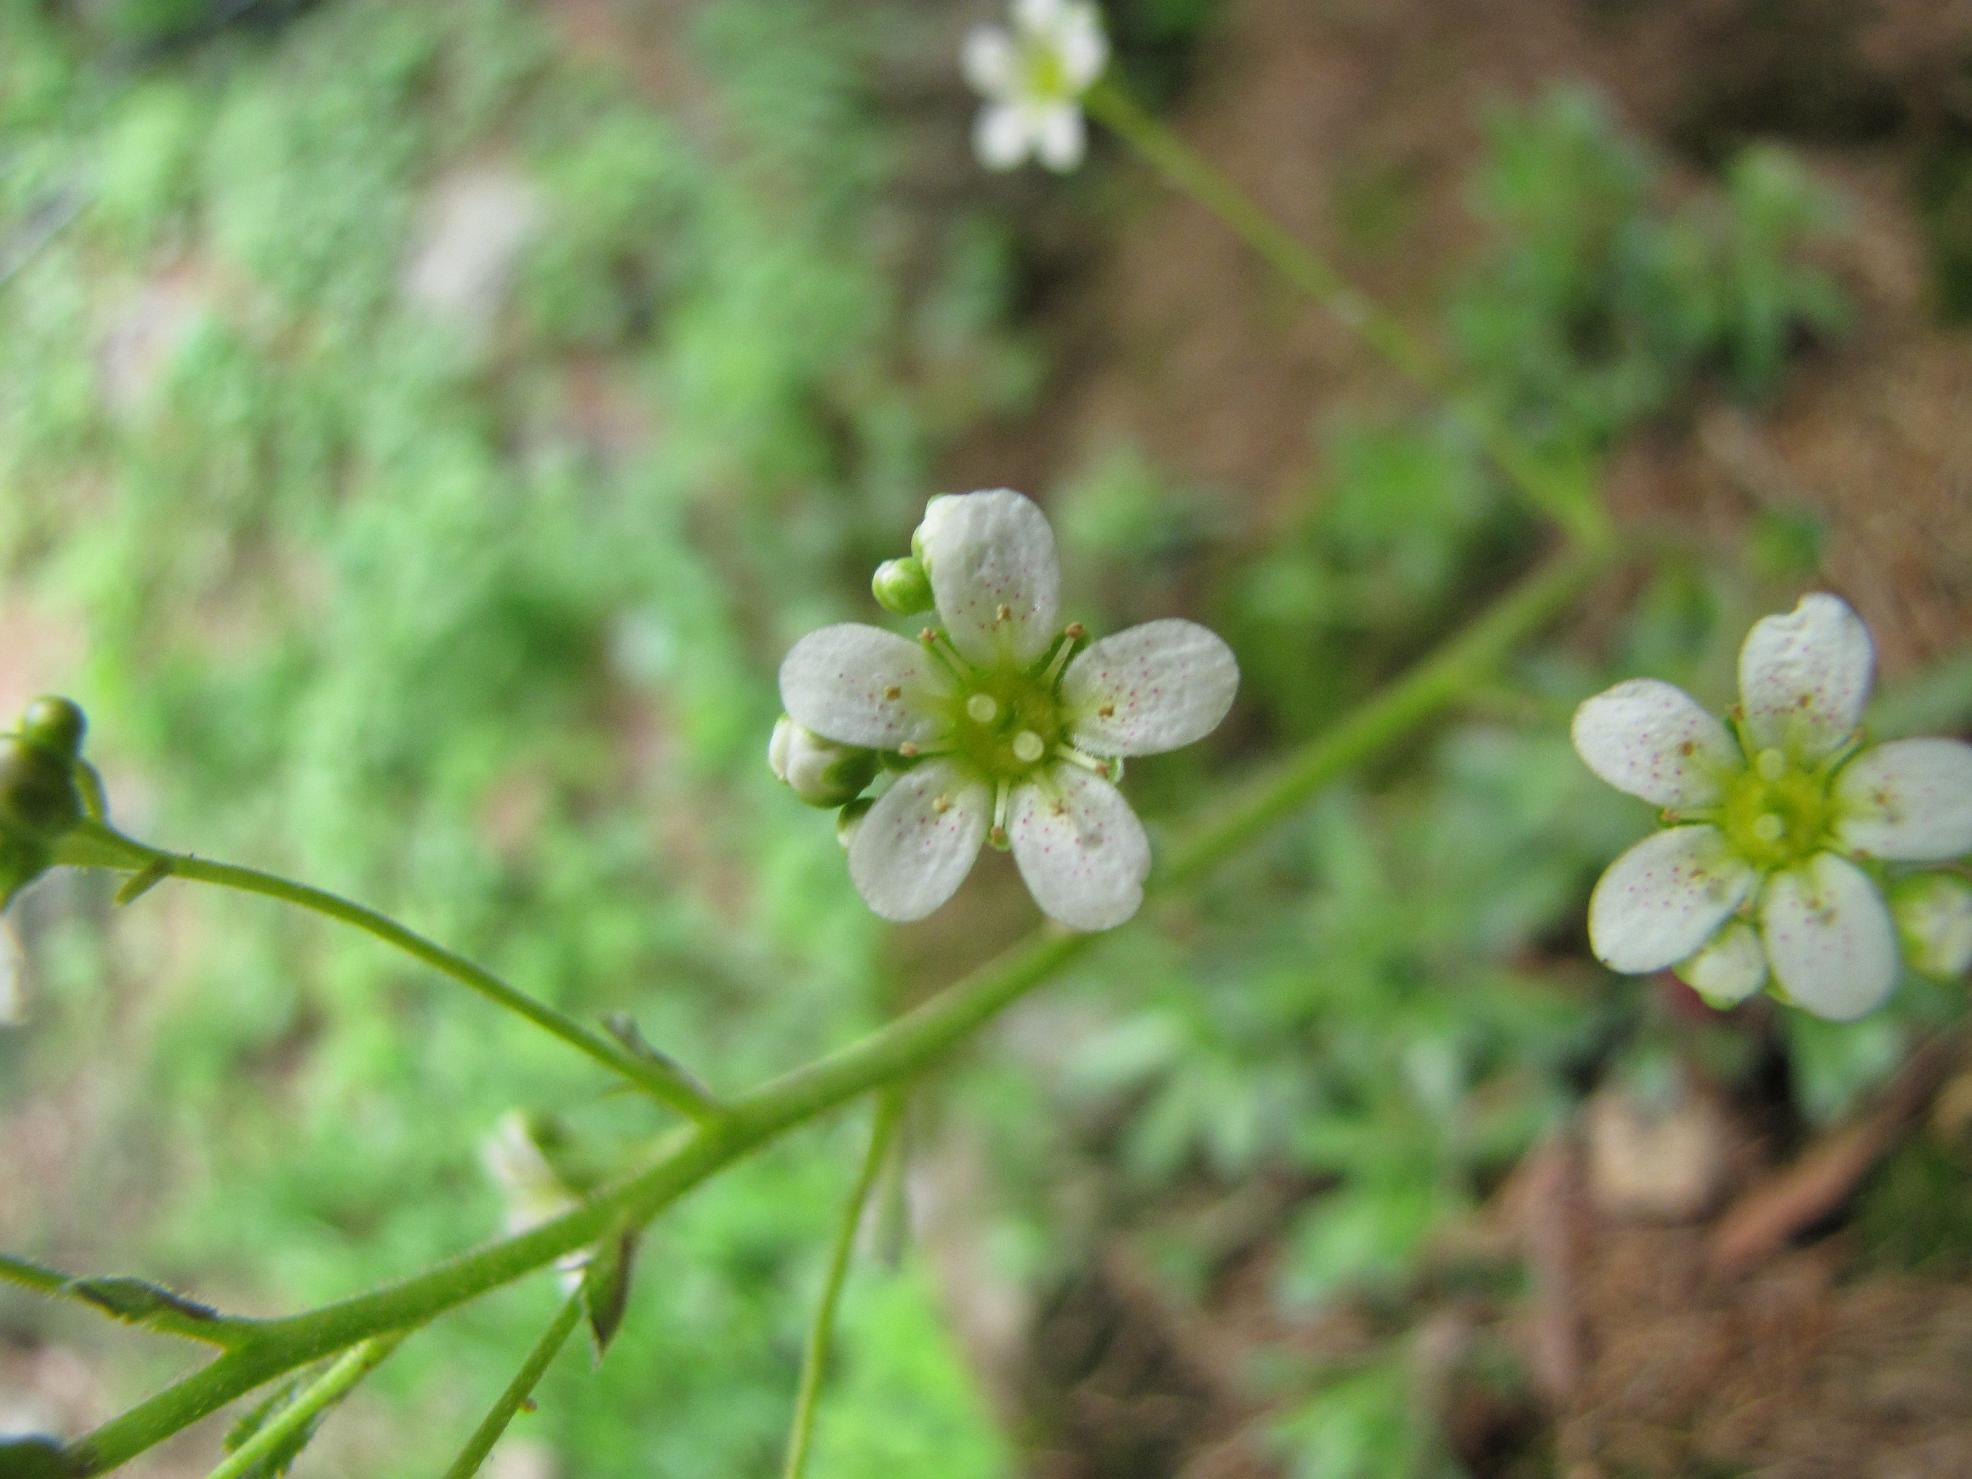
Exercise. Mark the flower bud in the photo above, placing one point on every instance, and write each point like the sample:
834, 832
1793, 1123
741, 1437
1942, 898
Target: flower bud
819, 771
54, 724
1934, 916
38, 798
850, 818
902, 587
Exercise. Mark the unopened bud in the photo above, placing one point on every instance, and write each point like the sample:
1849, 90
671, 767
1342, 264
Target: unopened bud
54, 724
1934, 916
819, 771
38, 798
850, 818
902, 587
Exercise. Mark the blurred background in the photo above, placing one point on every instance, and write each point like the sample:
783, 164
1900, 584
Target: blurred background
424, 426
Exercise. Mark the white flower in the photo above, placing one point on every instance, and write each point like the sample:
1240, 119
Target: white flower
531, 1190
1033, 78
1774, 824
1934, 916
1002, 729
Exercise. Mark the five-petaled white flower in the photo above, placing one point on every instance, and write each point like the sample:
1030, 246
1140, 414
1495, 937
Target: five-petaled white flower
1033, 78
1771, 822
1004, 729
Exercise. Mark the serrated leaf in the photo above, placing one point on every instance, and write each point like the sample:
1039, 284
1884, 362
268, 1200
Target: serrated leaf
140, 1302
606, 1288
623, 1027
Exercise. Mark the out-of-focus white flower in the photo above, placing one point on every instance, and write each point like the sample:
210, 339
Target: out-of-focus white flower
1934, 917
999, 727
1775, 823
531, 1190
1033, 77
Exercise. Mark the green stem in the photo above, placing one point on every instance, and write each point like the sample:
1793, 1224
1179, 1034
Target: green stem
814, 1363
309, 1404
896, 1051
1566, 500
95, 843
518, 1390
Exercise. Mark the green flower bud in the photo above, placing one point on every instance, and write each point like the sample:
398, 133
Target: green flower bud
55, 724
38, 798
1934, 916
850, 818
819, 771
902, 587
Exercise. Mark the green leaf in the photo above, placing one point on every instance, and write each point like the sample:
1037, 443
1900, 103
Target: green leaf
140, 1302
606, 1288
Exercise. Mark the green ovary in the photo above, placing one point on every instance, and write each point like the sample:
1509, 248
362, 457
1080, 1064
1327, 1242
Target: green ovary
1005, 725
1776, 815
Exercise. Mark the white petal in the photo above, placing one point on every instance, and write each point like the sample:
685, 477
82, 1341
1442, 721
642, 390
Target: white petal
1000, 136
1083, 47
1080, 847
861, 685
1664, 898
913, 849
1039, 17
990, 61
1909, 801
1804, 678
1060, 136
1829, 938
1651, 739
1149, 689
994, 574
1729, 969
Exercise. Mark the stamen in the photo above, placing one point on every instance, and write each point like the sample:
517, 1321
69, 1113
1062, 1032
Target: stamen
1004, 612
998, 834
1770, 764
909, 750
893, 692
1094, 765
982, 708
1070, 635
941, 803
941, 647
1028, 747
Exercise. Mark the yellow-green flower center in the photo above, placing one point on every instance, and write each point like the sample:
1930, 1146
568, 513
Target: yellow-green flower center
1043, 77
1776, 814
1005, 725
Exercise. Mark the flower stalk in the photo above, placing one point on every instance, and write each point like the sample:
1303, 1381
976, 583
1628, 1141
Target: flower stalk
1570, 501
94, 843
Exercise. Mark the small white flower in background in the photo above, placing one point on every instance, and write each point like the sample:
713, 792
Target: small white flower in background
1033, 78
1934, 916
999, 728
1774, 825
531, 1190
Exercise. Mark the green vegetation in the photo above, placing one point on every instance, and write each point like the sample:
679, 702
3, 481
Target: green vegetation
474, 615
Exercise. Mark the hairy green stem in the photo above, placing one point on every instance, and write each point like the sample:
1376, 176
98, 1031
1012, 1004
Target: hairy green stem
815, 1360
98, 844
308, 1405
892, 1053
1571, 502
494, 1424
